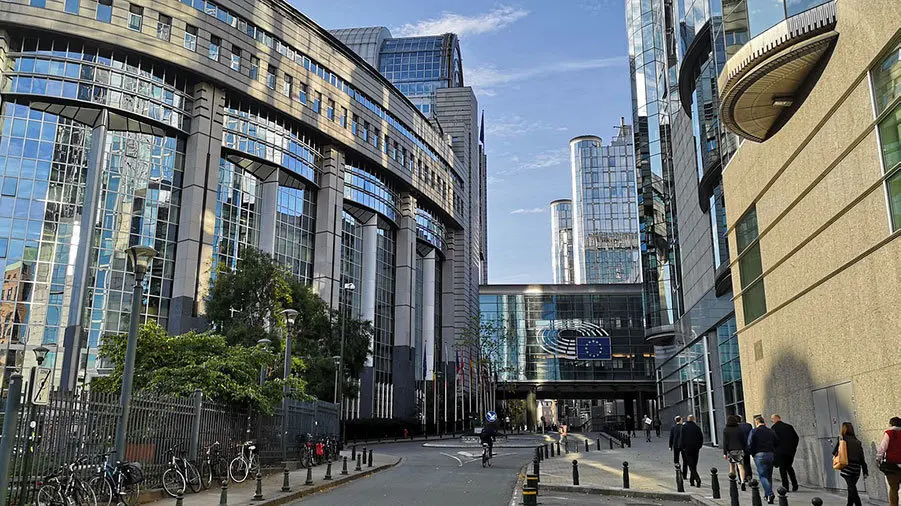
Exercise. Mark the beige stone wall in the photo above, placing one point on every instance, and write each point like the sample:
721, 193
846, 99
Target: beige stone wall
832, 265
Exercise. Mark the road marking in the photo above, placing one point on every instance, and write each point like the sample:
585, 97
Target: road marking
459, 462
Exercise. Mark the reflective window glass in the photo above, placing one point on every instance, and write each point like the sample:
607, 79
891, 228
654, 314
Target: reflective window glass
105, 10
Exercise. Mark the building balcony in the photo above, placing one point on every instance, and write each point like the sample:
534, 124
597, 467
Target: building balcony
762, 85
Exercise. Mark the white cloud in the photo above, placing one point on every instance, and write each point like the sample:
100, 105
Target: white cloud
532, 210
543, 160
491, 180
487, 77
597, 6
515, 126
448, 22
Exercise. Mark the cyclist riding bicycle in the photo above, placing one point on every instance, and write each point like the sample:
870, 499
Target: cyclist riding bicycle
488, 435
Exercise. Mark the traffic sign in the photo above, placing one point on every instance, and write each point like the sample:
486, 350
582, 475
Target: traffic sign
41, 393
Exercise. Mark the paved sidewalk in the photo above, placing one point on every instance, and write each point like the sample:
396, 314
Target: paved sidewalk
651, 470
240, 494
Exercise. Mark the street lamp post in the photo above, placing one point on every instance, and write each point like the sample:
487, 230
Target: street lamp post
263, 344
337, 360
40, 353
347, 287
290, 317
139, 257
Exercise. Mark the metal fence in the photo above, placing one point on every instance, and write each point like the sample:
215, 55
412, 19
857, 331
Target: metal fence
73, 425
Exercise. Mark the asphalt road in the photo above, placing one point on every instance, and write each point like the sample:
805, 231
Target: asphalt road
433, 476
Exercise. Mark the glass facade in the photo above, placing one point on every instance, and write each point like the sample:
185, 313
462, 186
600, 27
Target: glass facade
886, 79
419, 66
750, 267
295, 229
430, 229
382, 353
237, 214
605, 217
730, 365
684, 385
371, 191
538, 334
652, 64
562, 241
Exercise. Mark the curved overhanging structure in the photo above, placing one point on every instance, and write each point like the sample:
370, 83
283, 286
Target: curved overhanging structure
763, 81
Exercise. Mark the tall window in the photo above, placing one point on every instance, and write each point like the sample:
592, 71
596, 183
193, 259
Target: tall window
236, 59
365, 131
164, 27
753, 297
344, 117
135, 17
353, 125
191, 38
105, 10
215, 45
317, 103
302, 95
330, 110
886, 79
286, 85
270, 76
72, 6
254, 68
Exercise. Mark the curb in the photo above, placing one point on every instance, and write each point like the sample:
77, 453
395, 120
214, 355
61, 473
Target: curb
430, 445
292, 496
637, 494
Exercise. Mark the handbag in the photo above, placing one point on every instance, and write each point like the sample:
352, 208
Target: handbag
840, 460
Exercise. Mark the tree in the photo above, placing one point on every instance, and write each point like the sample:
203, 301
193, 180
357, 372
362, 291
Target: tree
178, 365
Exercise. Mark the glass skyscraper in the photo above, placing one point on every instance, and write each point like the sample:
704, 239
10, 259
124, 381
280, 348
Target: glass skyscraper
562, 240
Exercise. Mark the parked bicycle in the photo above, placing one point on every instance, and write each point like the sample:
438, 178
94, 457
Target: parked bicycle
118, 482
64, 487
180, 473
212, 465
247, 463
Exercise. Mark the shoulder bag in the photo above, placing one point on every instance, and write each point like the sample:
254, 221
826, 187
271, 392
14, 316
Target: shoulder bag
840, 460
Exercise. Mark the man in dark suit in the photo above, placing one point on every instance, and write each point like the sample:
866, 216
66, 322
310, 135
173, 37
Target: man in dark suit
692, 442
675, 440
746, 462
785, 452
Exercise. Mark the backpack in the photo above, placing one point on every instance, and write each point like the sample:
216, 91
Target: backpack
132, 473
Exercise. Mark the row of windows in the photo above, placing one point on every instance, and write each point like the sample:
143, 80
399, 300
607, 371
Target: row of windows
429, 228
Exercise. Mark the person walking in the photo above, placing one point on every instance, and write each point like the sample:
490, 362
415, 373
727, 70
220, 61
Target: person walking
675, 440
630, 426
657, 425
692, 442
648, 423
888, 455
785, 453
746, 433
762, 445
856, 463
735, 446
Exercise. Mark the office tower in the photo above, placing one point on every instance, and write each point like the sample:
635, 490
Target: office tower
562, 241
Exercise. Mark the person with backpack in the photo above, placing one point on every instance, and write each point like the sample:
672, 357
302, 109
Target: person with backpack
856, 462
888, 455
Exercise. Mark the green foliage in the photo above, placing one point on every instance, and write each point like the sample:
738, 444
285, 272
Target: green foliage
177, 365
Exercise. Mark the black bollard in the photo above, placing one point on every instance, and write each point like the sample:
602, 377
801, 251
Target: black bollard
552, 450
344, 467
715, 483
180, 498
733, 490
575, 472
328, 470
353, 452
629, 441
529, 496
598, 441
755, 493
364, 455
586, 446
558, 448
223, 496
816, 501
258, 496
286, 487
680, 484
370, 458
309, 476
610, 440
359, 463
625, 475
536, 468
783, 496
545, 450
532, 481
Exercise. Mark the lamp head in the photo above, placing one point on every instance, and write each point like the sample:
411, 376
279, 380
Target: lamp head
264, 342
139, 257
290, 316
40, 353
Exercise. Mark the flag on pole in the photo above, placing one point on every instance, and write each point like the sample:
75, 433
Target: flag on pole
458, 362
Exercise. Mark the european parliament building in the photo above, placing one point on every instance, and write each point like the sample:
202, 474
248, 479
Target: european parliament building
202, 129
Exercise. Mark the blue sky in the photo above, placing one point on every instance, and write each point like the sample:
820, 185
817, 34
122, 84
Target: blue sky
544, 72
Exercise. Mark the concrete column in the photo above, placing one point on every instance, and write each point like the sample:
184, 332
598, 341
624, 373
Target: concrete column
269, 213
329, 207
428, 312
197, 220
367, 310
404, 311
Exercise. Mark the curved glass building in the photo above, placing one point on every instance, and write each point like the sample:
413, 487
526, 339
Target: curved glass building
202, 129
562, 241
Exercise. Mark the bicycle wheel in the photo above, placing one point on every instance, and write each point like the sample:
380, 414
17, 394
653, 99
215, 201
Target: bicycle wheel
83, 495
102, 490
238, 470
206, 473
173, 482
49, 495
130, 494
192, 477
254, 465
220, 469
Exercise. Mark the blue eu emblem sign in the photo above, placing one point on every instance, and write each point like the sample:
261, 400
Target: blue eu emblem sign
593, 348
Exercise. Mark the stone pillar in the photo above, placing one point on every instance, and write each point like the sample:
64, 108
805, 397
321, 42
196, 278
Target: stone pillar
197, 221
367, 309
269, 213
428, 312
404, 311
329, 208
